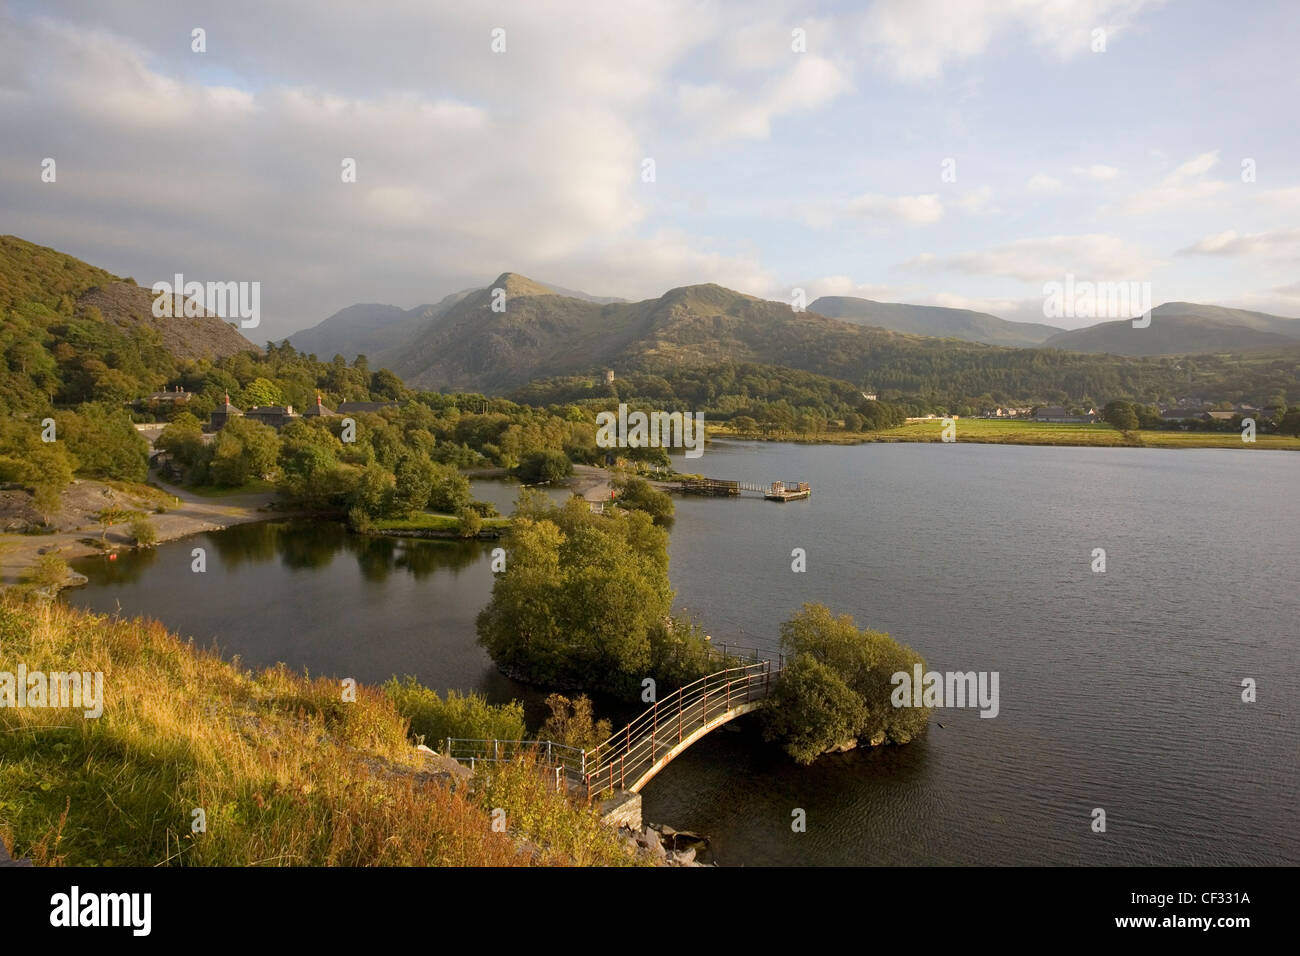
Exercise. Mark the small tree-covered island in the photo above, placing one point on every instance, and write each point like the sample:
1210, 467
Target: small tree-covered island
584, 602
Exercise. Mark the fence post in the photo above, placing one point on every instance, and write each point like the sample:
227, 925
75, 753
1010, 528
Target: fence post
448, 746
654, 727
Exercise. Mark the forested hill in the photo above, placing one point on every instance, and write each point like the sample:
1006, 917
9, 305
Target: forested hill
73, 333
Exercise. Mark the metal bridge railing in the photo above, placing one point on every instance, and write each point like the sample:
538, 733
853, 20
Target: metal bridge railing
635, 748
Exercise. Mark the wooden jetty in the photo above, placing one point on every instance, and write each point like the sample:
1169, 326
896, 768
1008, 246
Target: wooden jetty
710, 486
787, 491
776, 491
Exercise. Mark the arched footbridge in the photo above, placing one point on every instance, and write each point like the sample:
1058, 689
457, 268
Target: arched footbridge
632, 756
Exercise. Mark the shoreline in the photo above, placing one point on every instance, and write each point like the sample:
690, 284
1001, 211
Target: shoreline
191, 515
991, 432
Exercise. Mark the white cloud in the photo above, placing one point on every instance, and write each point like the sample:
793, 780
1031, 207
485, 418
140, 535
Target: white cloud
914, 210
1096, 172
1282, 197
917, 39
718, 113
1186, 184
1042, 183
976, 201
1278, 242
1093, 257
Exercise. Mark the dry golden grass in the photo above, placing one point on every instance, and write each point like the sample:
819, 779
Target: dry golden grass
286, 772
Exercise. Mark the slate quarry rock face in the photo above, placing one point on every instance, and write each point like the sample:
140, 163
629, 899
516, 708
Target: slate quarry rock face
129, 306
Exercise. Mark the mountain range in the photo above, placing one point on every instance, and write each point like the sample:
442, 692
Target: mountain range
75, 333
462, 343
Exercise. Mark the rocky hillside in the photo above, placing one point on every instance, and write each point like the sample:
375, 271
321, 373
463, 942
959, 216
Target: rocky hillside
935, 320
129, 307
73, 333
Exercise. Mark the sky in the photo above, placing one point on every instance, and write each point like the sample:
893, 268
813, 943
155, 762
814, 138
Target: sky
943, 153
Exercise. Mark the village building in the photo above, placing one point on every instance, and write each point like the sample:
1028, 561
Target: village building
318, 410
223, 414
277, 416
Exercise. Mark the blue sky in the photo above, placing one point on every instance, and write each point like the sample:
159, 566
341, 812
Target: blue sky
774, 168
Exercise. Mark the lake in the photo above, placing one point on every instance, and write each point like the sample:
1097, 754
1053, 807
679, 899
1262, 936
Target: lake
1118, 690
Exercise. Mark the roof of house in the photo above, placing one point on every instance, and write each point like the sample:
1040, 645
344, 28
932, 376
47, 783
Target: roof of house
312, 411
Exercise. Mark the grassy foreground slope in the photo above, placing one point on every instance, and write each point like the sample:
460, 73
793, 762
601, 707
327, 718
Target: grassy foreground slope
285, 771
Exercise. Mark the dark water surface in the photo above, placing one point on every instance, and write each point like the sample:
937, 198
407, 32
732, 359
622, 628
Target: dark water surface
1119, 690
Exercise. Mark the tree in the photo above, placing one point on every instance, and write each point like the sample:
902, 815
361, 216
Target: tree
104, 442
1121, 415
244, 450
262, 391
109, 517
373, 493
639, 494
182, 439
450, 490
837, 685
572, 723
1289, 424
468, 523
415, 476
544, 466
580, 598
48, 472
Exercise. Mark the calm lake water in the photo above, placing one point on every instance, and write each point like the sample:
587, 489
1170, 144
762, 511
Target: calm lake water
1119, 690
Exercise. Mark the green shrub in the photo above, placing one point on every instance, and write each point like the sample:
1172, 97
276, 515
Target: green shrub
50, 571
458, 715
468, 523
143, 531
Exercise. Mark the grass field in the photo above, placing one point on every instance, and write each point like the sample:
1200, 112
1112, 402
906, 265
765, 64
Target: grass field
429, 521
256, 486
1010, 432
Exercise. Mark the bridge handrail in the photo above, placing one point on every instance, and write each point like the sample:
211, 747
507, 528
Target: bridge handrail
634, 749
732, 680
